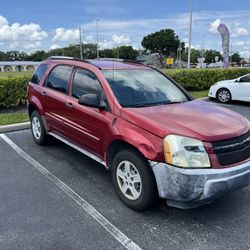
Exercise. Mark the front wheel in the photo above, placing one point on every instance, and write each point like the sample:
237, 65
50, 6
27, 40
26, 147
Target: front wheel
223, 95
134, 180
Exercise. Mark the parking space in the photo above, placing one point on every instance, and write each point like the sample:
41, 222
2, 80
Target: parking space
37, 210
240, 107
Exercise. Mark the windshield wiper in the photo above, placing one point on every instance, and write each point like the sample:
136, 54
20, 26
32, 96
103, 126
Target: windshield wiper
141, 105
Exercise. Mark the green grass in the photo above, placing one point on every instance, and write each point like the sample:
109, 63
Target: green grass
15, 74
16, 117
199, 94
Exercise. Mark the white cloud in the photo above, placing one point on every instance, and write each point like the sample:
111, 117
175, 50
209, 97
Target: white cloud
90, 39
214, 25
239, 43
55, 46
20, 37
117, 40
239, 31
66, 35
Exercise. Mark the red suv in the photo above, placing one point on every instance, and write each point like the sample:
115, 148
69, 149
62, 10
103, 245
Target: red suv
143, 127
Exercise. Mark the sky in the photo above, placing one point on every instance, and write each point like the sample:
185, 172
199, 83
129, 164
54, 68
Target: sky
42, 25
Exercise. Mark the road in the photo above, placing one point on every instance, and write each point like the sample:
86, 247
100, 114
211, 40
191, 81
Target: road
37, 210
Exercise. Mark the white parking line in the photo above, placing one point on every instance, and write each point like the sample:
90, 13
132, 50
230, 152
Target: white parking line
115, 232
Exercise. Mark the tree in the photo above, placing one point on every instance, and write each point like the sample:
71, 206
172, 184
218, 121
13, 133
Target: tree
165, 42
195, 54
236, 58
107, 53
16, 55
211, 54
3, 56
37, 56
126, 52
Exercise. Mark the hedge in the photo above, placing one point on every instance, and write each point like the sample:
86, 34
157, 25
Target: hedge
13, 91
202, 79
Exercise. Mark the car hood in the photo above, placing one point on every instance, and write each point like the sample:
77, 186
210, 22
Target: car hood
197, 119
224, 82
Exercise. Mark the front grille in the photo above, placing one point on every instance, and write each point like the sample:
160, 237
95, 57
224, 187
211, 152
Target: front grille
233, 150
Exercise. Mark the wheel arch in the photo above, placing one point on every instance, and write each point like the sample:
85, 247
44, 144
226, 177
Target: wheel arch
115, 147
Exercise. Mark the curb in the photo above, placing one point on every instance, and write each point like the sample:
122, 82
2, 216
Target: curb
14, 127
204, 98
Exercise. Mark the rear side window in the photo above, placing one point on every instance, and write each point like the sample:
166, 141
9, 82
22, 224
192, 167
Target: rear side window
36, 78
59, 77
85, 82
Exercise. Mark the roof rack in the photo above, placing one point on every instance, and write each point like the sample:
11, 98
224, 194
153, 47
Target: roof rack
71, 58
122, 60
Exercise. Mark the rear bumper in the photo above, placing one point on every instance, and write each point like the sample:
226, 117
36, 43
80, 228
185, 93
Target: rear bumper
187, 188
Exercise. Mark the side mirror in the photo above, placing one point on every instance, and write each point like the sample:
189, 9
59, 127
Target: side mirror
92, 100
238, 79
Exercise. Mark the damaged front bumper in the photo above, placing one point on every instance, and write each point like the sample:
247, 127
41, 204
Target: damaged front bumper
188, 188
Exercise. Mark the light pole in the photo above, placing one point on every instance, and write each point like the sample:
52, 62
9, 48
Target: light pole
80, 42
97, 39
179, 56
203, 50
190, 34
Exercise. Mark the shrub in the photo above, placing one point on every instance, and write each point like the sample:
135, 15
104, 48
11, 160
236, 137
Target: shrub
202, 79
13, 91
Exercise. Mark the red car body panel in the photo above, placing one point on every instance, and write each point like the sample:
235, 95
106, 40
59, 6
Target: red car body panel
197, 119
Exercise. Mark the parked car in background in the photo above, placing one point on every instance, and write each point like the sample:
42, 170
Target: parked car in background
143, 127
236, 89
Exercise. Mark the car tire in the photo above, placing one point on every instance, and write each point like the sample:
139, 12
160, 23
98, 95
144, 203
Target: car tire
223, 95
133, 179
38, 130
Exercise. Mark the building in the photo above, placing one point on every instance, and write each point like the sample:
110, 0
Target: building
7, 66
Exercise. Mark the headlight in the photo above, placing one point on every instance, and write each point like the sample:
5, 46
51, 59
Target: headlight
185, 152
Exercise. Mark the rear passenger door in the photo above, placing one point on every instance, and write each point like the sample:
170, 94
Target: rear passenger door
86, 125
56, 88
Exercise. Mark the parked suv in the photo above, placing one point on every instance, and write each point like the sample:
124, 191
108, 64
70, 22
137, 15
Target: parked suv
143, 127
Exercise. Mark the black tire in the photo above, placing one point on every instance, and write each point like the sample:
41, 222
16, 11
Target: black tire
223, 95
42, 137
148, 189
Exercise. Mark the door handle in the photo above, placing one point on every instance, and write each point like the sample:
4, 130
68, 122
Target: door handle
69, 105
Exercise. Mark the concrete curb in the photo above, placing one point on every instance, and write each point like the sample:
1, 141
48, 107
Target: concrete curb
14, 127
203, 98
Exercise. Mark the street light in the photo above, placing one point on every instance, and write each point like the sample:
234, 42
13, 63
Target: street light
203, 50
190, 33
97, 42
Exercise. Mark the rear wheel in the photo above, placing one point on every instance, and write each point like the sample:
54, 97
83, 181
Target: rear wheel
37, 128
133, 180
223, 95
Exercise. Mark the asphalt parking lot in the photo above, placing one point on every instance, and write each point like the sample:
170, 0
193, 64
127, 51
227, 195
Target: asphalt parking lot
54, 197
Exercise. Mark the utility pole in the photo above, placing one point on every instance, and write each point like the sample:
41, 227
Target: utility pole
203, 49
190, 34
97, 38
80, 44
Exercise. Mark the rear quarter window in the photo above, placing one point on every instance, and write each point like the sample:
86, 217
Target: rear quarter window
36, 78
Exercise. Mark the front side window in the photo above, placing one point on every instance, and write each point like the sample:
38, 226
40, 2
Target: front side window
143, 87
36, 78
245, 79
59, 78
85, 82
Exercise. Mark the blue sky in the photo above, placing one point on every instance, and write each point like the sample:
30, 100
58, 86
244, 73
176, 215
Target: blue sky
30, 25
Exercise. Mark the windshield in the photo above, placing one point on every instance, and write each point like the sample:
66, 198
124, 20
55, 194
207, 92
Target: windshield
143, 87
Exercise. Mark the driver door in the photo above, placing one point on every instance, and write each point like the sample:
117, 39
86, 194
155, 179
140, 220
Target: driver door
242, 90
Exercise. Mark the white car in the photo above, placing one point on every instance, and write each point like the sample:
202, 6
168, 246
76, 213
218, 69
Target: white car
236, 89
